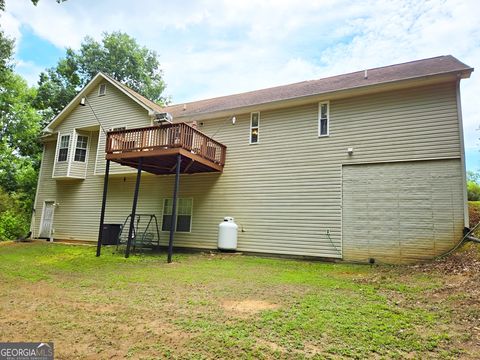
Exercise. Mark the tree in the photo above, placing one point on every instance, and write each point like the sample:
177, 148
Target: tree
20, 125
57, 86
473, 185
473, 176
19, 146
6, 54
19, 135
118, 55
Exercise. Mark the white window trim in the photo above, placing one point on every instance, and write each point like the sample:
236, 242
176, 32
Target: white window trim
75, 149
59, 144
176, 222
254, 127
319, 118
100, 87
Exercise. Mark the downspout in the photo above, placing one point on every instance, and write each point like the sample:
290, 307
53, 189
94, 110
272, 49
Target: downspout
466, 219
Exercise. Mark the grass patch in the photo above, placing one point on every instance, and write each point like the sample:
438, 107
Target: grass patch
218, 306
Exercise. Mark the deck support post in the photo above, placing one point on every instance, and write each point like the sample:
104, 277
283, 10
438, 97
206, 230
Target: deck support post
131, 233
173, 222
102, 211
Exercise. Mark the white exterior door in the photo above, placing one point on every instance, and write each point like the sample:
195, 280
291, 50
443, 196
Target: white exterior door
47, 220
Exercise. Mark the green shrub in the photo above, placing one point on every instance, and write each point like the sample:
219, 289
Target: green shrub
473, 190
12, 225
14, 218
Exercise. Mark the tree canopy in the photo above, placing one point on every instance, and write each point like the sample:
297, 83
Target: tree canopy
19, 146
118, 55
6, 53
25, 110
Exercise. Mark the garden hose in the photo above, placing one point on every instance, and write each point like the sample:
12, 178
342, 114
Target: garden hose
466, 237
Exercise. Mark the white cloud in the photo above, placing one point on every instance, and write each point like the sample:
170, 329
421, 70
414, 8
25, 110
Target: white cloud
213, 47
11, 26
29, 70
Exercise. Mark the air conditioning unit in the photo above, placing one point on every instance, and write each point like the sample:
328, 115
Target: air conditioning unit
164, 117
117, 128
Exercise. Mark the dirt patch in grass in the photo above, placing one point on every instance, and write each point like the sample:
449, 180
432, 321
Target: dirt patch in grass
248, 306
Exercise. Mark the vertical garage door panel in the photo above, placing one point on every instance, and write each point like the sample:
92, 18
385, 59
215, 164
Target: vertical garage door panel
401, 212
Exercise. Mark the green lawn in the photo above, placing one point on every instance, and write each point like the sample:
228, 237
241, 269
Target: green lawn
207, 306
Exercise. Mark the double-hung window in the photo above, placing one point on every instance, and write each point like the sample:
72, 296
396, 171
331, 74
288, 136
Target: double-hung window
184, 214
323, 118
81, 148
254, 127
63, 148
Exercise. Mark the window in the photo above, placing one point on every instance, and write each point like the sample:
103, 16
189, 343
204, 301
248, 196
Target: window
254, 127
102, 89
323, 118
81, 148
63, 148
184, 214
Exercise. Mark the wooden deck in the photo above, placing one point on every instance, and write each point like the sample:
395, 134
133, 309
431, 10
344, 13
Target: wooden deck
159, 146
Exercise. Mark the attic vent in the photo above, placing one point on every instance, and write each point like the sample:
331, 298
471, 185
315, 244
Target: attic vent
102, 89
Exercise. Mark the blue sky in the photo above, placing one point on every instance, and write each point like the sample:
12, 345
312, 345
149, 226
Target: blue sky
209, 48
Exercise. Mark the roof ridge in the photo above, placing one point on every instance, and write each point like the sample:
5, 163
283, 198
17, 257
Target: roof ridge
421, 68
309, 81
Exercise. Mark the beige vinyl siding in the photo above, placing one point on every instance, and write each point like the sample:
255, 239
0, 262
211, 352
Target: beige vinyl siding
401, 212
61, 169
286, 191
78, 215
112, 109
46, 187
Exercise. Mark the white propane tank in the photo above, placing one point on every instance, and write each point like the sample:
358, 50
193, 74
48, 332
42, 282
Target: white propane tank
227, 234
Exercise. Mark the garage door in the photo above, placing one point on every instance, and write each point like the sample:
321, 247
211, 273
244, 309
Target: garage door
401, 212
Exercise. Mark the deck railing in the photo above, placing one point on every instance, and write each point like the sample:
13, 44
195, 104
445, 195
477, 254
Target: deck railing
169, 136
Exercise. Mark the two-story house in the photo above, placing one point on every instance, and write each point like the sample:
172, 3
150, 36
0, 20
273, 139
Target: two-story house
366, 165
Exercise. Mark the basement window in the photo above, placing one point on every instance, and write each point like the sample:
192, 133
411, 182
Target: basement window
254, 127
323, 118
63, 148
102, 89
184, 214
81, 148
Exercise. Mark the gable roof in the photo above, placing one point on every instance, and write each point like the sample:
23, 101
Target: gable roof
140, 98
382, 75
147, 104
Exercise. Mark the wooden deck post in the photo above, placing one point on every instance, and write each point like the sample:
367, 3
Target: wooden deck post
173, 222
131, 233
104, 203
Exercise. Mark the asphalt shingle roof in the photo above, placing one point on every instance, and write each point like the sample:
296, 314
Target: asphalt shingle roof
381, 75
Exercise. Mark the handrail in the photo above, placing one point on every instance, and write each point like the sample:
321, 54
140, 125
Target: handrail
168, 136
